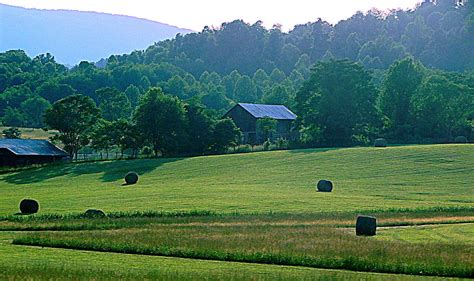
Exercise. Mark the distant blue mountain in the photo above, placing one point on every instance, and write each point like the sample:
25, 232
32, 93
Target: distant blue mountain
73, 36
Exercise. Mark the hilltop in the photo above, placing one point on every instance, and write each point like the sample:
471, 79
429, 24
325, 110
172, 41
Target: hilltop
73, 36
280, 181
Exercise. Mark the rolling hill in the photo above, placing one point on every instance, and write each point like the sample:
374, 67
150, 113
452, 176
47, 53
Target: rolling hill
73, 36
279, 181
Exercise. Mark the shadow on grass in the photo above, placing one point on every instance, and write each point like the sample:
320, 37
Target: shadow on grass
110, 170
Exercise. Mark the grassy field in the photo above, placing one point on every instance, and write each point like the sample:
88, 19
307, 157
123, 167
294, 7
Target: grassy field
301, 245
280, 181
257, 208
30, 133
35, 263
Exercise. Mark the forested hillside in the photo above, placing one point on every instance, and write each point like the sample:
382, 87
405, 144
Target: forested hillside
405, 75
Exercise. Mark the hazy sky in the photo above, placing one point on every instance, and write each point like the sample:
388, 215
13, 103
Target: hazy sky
195, 14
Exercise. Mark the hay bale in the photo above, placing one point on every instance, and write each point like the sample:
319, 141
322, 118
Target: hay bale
366, 226
380, 142
29, 206
131, 178
93, 213
460, 139
324, 186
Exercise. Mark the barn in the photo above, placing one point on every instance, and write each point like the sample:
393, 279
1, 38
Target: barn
22, 152
246, 115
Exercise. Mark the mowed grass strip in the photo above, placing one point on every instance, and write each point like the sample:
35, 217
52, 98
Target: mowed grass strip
277, 181
33, 263
460, 233
311, 246
400, 217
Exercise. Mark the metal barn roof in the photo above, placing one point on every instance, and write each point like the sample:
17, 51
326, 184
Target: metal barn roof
26, 147
279, 112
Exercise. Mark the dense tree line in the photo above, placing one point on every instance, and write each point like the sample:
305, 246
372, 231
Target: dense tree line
373, 91
340, 106
161, 124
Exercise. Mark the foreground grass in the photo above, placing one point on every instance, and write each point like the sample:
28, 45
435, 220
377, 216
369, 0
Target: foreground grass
33, 263
308, 245
278, 181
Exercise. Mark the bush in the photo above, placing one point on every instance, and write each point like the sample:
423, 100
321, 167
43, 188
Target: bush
380, 143
282, 143
460, 139
267, 144
324, 186
148, 151
366, 226
243, 148
131, 178
29, 206
93, 213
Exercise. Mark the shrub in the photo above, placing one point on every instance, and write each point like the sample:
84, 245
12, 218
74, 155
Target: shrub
243, 148
93, 213
267, 144
324, 186
282, 143
460, 139
29, 206
380, 143
148, 151
131, 178
366, 226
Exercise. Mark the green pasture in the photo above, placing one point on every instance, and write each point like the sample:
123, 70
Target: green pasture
280, 181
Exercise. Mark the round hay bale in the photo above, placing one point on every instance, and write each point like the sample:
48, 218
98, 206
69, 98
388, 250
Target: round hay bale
29, 206
131, 178
380, 142
93, 213
366, 226
460, 139
324, 186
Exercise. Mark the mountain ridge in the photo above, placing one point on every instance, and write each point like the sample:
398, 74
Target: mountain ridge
71, 36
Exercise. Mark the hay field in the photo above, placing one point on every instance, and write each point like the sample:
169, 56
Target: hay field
281, 181
259, 208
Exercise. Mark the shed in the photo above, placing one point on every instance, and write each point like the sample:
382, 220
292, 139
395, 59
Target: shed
245, 116
21, 152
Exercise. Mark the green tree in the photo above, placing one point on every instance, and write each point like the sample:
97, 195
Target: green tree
113, 104
34, 109
401, 83
12, 133
14, 117
125, 135
74, 118
225, 135
337, 100
245, 90
266, 128
133, 93
161, 119
101, 137
199, 127
278, 95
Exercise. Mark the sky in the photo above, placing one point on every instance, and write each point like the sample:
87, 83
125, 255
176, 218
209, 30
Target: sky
195, 14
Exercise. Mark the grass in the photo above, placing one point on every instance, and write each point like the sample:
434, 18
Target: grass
298, 245
120, 220
257, 207
34, 263
31, 133
278, 181
459, 233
